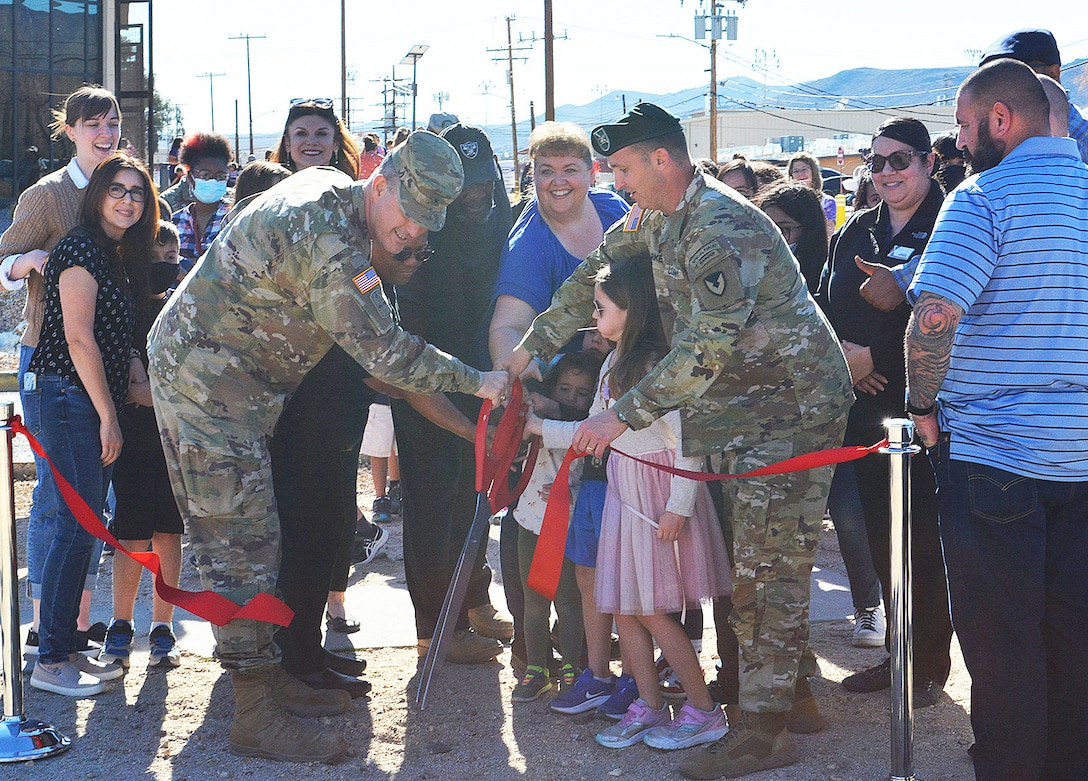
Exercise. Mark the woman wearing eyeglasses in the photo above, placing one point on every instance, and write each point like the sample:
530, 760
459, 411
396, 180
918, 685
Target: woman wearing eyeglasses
96, 280
206, 157
314, 135
898, 229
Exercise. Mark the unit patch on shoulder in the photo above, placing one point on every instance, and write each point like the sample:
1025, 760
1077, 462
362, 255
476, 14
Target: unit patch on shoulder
634, 219
715, 283
367, 280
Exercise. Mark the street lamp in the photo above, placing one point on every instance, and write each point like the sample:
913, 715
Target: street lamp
411, 58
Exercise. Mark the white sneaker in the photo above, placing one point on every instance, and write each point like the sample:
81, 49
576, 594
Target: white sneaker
67, 680
103, 671
869, 629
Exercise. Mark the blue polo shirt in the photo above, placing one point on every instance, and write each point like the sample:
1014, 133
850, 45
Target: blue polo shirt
1010, 247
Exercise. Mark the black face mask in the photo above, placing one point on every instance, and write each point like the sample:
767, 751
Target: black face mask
163, 276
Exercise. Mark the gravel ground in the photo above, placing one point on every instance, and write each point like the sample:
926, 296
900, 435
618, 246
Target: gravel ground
173, 726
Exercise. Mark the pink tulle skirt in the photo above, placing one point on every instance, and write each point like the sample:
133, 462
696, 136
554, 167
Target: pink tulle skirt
637, 574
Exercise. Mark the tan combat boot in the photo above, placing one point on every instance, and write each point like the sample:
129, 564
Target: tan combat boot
757, 741
262, 729
804, 717
296, 697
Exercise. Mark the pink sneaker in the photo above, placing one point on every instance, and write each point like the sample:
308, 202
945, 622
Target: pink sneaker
691, 727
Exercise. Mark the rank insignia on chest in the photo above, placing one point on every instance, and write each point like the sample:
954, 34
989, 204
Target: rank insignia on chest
633, 219
366, 281
715, 283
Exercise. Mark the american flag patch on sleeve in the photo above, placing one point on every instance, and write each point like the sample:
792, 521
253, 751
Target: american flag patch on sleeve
367, 280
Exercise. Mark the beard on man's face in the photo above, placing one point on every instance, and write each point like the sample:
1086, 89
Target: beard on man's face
987, 152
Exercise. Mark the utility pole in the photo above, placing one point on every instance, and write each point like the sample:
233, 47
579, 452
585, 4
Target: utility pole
510, 78
237, 140
718, 23
344, 61
549, 59
249, 78
211, 92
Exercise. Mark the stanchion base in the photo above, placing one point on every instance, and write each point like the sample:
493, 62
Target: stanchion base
903, 778
22, 740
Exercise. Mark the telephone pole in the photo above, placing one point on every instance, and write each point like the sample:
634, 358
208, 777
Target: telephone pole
211, 92
249, 79
549, 59
510, 78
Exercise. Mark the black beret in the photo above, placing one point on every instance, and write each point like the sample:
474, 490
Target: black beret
1028, 46
641, 123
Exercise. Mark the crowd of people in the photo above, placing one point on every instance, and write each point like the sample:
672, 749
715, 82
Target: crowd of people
218, 373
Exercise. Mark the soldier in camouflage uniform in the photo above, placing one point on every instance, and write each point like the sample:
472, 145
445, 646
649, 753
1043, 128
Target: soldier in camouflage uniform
758, 375
286, 280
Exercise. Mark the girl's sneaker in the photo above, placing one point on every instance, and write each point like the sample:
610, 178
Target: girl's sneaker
533, 684
632, 728
626, 692
118, 645
691, 727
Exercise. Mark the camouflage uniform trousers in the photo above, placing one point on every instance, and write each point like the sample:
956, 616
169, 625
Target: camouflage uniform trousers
222, 479
776, 527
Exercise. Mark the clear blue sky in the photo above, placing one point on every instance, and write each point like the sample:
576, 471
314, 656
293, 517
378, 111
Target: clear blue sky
611, 46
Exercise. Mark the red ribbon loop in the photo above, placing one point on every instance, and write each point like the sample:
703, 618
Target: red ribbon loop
548, 559
493, 469
208, 605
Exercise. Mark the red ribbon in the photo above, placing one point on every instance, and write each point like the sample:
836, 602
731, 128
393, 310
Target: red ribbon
208, 605
548, 559
492, 469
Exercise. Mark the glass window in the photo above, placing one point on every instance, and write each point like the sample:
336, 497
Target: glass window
70, 31
32, 36
7, 135
7, 33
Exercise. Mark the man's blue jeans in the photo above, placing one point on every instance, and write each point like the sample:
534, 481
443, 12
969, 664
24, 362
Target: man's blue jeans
1016, 549
68, 428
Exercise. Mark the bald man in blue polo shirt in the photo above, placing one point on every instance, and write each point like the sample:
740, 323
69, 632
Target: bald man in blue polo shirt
998, 387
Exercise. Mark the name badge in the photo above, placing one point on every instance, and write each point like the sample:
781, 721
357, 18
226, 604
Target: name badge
900, 252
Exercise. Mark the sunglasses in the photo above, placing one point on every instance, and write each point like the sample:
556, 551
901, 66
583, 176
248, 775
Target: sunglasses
322, 103
119, 191
900, 160
422, 255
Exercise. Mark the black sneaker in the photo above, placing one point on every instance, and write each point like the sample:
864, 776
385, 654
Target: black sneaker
872, 680
32, 641
364, 548
382, 510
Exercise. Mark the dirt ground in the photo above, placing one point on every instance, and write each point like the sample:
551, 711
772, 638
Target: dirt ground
173, 726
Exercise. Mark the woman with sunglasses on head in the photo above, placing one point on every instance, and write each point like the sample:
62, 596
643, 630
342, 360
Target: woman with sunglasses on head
314, 135
91, 119
895, 231
96, 283
206, 158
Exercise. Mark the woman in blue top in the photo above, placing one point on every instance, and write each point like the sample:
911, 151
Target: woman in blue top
96, 282
561, 225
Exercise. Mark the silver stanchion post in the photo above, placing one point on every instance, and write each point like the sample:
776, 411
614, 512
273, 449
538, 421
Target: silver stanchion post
899, 451
21, 739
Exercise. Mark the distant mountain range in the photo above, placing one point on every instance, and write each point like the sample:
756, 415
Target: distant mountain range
858, 88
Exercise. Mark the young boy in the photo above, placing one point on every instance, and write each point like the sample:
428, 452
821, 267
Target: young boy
146, 514
568, 393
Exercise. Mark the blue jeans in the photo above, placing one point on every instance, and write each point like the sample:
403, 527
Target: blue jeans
69, 432
844, 504
1015, 548
42, 502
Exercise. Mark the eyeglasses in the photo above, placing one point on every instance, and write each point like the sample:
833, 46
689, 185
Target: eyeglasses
322, 103
900, 160
790, 232
600, 310
119, 191
421, 255
219, 176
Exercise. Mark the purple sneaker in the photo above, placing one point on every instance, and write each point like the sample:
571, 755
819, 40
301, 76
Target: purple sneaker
586, 694
632, 728
625, 693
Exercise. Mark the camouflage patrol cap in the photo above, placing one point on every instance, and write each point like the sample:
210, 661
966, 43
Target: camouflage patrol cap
430, 175
643, 122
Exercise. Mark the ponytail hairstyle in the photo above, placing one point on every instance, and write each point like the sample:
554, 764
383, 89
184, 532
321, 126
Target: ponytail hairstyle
130, 260
630, 285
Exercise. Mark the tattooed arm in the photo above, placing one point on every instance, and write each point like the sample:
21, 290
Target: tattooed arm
929, 349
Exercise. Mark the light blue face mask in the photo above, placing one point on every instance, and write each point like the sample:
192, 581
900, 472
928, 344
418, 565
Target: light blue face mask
209, 190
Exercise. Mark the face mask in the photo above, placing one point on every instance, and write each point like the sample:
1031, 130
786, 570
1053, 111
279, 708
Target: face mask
209, 190
163, 276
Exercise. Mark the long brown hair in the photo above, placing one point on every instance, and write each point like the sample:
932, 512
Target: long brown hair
345, 156
630, 285
130, 258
